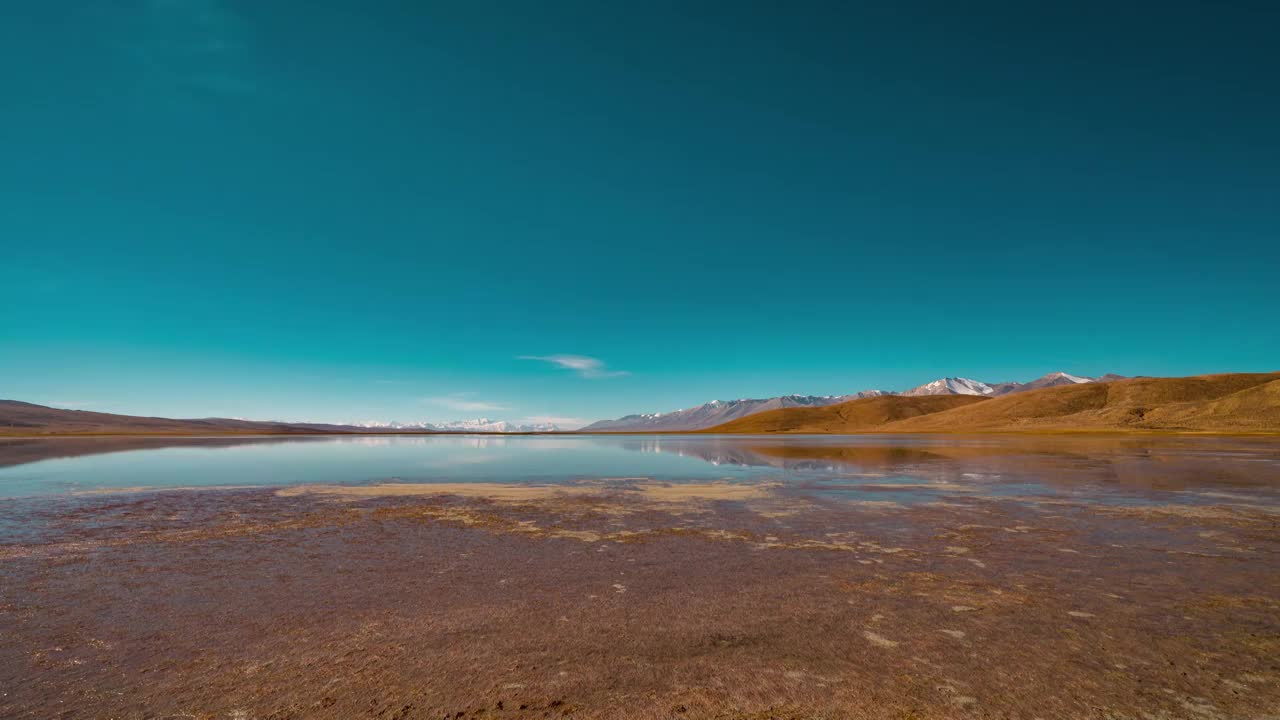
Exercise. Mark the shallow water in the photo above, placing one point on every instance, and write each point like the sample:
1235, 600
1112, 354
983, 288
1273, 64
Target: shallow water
906, 468
640, 576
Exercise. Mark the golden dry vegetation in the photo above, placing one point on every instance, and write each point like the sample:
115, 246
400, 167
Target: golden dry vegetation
1234, 402
853, 416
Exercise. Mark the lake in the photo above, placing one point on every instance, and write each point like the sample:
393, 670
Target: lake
640, 576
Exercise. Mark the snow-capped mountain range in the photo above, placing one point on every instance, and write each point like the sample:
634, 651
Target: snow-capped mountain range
722, 411
966, 386
719, 411
484, 425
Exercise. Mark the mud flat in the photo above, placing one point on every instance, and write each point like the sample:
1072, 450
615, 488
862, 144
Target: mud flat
633, 597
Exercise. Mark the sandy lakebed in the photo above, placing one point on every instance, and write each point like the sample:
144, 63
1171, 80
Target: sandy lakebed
706, 578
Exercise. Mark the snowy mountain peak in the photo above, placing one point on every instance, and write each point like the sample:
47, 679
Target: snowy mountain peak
716, 412
1069, 377
952, 386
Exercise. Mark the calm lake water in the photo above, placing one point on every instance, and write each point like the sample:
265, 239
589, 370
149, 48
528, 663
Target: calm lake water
897, 468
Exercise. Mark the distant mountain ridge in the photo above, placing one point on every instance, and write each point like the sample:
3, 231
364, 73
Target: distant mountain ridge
966, 386
22, 418
484, 425
718, 412
951, 386
852, 416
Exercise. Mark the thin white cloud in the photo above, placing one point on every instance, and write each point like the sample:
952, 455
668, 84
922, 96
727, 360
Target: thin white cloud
587, 367
464, 403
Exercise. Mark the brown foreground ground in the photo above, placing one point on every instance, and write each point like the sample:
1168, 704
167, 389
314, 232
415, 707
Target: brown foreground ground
635, 599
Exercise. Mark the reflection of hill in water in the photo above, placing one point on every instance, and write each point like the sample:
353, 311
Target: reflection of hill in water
786, 456
714, 452
1163, 463
19, 451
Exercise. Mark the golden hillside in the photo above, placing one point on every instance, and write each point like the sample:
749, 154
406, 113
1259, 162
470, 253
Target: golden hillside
1237, 402
862, 415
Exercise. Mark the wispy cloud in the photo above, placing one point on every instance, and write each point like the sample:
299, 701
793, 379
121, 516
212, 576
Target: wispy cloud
69, 403
587, 367
464, 402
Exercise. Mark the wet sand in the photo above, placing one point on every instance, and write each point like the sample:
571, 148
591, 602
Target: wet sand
634, 598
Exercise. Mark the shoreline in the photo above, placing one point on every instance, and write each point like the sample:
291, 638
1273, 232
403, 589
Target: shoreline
705, 433
643, 600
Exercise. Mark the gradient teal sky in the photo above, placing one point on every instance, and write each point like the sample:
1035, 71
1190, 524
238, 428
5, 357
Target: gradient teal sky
369, 210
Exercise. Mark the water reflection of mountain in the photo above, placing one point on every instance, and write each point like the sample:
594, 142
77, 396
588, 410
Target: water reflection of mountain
784, 455
1164, 463
716, 453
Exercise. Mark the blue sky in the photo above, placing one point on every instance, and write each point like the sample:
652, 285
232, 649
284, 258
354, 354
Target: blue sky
383, 210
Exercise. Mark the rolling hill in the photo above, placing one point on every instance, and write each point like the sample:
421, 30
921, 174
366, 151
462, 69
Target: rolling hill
855, 416
27, 419
1237, 402
21, 418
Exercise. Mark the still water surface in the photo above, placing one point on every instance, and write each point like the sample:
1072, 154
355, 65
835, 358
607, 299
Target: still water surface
894, 468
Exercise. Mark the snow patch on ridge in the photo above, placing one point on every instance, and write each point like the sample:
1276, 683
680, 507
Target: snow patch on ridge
460, 426
952, 386
1073, 378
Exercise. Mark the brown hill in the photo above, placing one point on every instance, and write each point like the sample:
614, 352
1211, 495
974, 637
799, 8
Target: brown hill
862, 415
20, 418
1237, 402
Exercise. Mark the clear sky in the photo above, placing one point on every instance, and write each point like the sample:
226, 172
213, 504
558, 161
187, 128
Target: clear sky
360, 210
